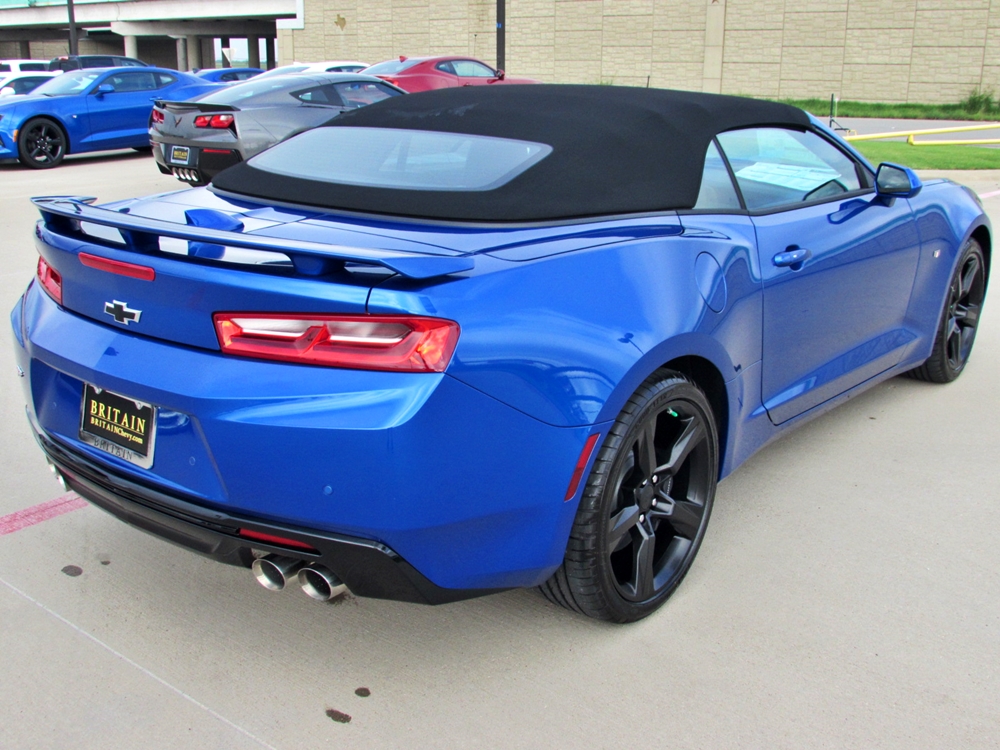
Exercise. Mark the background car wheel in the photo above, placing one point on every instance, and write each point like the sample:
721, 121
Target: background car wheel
41, 144
645, 506
957, 331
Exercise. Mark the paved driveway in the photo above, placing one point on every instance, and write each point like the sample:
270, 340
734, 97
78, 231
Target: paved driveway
847, 596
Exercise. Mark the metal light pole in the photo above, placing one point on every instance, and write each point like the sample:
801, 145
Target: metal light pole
502, 34
73, 47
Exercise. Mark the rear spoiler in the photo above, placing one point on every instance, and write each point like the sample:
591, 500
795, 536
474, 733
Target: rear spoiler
309, 258
194, 106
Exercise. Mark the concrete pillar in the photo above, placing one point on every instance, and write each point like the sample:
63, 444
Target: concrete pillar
269, 51
132, 46
206, 45
24, 50
253, 51
224, 43
194, 52
182, 53
715, 39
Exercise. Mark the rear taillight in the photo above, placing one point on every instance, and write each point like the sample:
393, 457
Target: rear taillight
158, 116
50, 279
360, 342
213, 121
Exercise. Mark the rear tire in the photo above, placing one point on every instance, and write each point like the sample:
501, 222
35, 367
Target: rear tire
959, 320
645, 507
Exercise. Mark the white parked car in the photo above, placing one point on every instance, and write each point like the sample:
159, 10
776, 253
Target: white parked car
18, 84
19, 66
330, 66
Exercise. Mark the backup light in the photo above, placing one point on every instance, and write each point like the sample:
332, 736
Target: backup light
213, 121
50, 279
360, 342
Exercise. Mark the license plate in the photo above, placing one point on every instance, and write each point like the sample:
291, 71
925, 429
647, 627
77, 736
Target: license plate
180, 154
118, 425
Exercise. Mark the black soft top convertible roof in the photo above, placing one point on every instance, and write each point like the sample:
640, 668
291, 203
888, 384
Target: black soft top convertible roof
616, 150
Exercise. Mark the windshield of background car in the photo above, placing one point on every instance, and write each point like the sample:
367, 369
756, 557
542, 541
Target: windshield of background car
389, 67
69, 83
402, 159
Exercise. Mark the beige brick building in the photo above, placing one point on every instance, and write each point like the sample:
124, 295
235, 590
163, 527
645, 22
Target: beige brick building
869, 50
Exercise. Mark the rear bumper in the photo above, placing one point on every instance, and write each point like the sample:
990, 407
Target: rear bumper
463, 488
368, 568
206, 163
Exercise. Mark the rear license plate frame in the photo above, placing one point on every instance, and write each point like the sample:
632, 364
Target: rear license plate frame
181, 156
119, 425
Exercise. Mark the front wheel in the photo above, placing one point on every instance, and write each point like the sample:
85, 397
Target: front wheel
645, 507
41, 144
957, 330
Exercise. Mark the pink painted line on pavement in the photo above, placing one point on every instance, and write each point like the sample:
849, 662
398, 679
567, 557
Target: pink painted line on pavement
994, 194
42, 512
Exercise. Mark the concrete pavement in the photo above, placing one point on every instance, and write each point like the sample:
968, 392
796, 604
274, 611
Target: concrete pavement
847, 595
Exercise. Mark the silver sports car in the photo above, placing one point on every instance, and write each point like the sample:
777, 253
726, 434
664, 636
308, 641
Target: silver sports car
197, 139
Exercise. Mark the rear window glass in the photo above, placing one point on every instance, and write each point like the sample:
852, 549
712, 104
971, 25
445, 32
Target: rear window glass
360, 93
389, 67
401, 159
255, 87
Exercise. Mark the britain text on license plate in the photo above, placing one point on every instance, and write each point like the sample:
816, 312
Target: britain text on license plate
118, 425
180, 154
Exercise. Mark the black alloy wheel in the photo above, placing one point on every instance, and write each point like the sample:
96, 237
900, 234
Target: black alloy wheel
957, 331
41, 144
645, 506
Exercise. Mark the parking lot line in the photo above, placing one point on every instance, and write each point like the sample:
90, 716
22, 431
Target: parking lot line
994, 194
138, 666
42, 512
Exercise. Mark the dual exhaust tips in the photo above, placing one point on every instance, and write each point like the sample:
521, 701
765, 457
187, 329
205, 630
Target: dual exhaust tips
273, 572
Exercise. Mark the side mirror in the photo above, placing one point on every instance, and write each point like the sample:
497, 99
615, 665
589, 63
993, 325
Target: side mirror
500, 75
7, 91
895, 181
104, 88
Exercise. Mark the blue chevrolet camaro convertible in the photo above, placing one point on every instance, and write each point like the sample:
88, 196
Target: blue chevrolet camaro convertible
484, 338
96, 109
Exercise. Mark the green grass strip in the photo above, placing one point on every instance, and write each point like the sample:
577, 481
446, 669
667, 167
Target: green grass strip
930, 157
974, 108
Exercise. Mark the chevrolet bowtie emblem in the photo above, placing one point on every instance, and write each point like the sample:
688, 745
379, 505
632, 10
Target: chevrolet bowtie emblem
121, 312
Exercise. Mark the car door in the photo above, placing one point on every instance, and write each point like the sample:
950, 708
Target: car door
473, 73
837, 261
119, 117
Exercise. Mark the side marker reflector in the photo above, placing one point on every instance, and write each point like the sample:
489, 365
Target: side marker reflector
581, 464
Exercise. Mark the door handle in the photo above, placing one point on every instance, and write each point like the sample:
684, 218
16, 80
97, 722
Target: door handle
793, 258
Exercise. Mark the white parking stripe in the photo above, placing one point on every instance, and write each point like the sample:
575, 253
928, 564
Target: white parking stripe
141, 668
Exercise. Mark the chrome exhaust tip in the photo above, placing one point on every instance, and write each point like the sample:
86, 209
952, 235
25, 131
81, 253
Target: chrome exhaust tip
274, 571
320, 583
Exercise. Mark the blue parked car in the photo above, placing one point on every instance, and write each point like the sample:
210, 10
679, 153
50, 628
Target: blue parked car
93, 109
483, 338
228, 75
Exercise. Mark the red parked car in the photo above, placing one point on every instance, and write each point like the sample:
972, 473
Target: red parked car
426, 73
